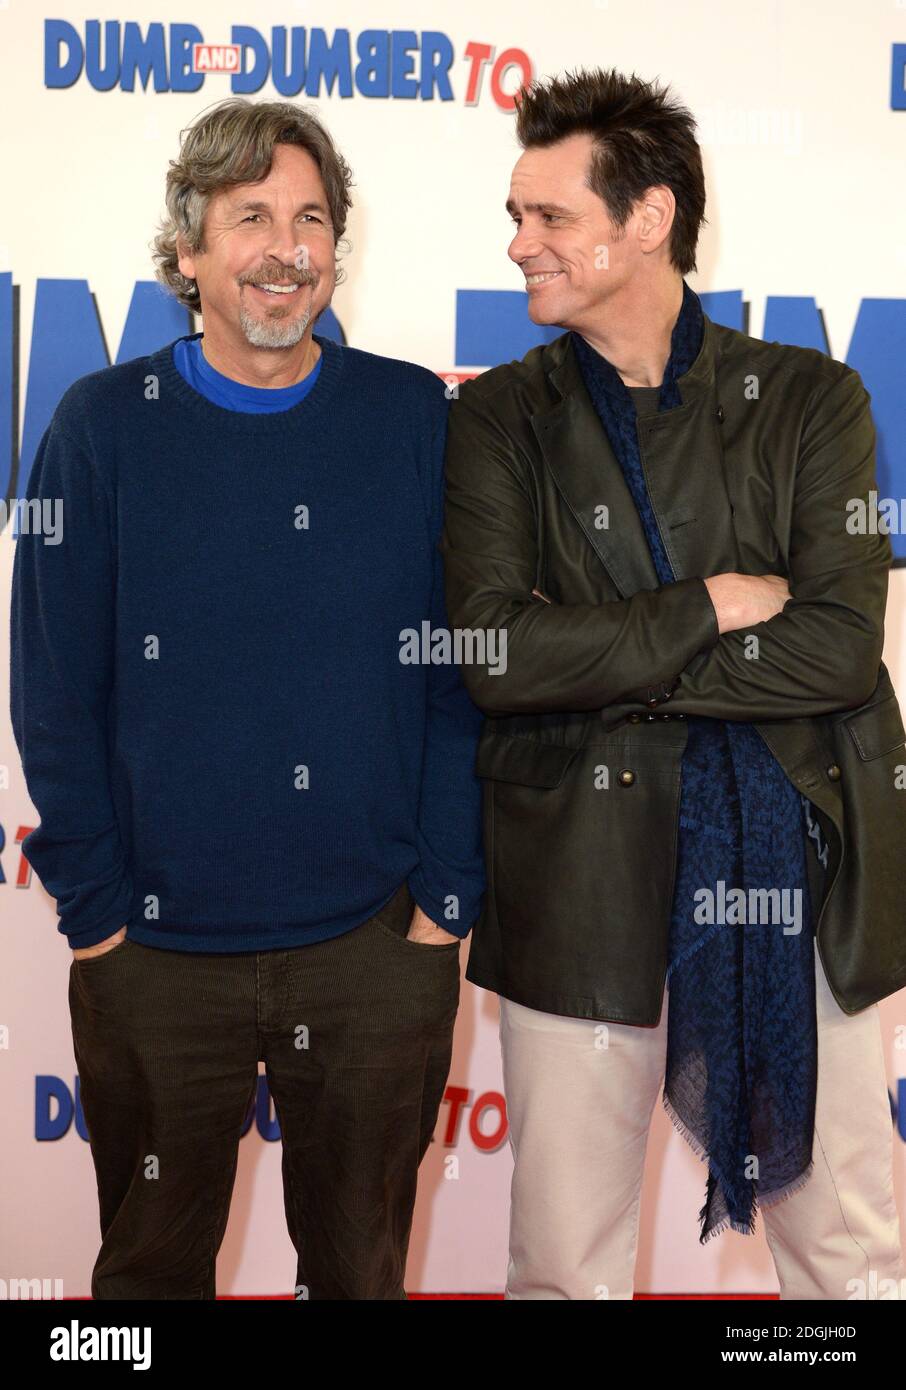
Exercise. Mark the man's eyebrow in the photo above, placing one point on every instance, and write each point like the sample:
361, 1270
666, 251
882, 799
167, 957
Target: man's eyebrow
538, 207
256, 205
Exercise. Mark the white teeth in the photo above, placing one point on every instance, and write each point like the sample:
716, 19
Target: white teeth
539, 279
279, 289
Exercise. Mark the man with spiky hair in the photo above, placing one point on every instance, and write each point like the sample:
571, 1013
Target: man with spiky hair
261, 825
689, 762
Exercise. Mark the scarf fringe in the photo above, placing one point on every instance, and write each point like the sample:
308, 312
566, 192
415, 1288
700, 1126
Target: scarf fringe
712, 928
743, 1228
691, 1139
770, 1199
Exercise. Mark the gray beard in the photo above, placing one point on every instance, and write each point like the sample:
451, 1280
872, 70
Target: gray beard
273, 332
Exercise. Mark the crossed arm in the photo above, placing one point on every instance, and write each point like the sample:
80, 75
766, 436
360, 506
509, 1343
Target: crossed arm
820, 640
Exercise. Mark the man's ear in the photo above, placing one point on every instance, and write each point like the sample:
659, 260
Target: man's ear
657, 209
185, 261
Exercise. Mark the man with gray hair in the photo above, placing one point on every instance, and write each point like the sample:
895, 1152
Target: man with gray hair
261, 825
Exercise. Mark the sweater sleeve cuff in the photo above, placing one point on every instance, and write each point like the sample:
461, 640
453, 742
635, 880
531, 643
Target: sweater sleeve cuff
436, 907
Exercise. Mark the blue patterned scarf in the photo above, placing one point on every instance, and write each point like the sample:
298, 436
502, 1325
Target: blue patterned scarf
742, 1049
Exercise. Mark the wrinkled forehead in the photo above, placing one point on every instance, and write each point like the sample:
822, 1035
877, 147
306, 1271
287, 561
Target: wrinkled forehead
546, 177
294, 177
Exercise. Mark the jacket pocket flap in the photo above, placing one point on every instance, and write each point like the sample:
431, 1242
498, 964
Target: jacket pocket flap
523, 760
878, 729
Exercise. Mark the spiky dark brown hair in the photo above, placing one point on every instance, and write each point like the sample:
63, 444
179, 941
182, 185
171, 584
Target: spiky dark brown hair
642, 135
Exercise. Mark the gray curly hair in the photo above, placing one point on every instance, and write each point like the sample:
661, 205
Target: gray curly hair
232, 143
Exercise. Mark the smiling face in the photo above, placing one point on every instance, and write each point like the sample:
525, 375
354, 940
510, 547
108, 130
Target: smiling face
565, 244
276, 233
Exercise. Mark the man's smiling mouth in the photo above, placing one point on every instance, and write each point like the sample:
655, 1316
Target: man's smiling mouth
541, 278
277, 289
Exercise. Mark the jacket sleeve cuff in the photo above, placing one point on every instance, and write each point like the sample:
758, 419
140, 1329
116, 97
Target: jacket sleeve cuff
700, 619
700, 612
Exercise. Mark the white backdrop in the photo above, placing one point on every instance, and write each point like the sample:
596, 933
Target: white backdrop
804, 162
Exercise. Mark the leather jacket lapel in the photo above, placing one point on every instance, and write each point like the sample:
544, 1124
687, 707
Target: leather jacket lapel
582, 463
684, 467
684, 470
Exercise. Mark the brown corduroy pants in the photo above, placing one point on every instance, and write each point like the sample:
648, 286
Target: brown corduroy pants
356, 1037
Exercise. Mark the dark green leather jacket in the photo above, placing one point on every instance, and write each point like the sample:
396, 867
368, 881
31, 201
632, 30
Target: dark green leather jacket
584, 731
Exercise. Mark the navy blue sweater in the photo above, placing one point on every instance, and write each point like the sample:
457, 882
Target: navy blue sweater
224, 748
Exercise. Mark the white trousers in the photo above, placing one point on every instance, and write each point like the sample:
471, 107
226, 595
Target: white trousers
579, 1117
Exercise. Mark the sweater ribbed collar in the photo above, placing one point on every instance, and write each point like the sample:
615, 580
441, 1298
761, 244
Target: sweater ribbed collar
311, 412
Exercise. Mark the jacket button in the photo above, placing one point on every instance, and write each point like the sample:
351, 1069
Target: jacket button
650, 718
834, 773
634, 718
680, 716
627, 777
663, 716
720, 414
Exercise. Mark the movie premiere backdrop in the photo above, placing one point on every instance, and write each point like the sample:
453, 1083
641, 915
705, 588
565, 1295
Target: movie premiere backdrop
802, 112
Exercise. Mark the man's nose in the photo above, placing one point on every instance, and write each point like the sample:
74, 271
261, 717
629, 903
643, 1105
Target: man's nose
524, 246
285, 248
